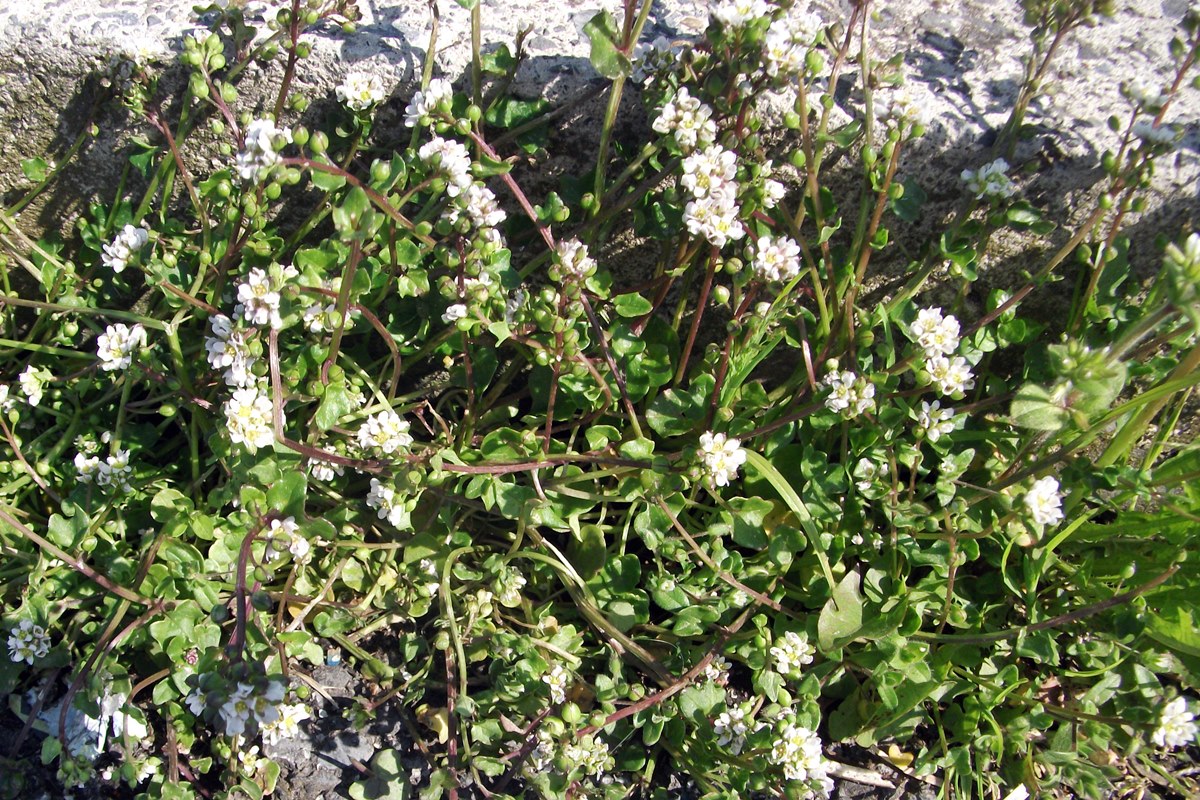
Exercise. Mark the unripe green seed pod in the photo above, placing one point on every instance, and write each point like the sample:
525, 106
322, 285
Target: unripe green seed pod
571, 714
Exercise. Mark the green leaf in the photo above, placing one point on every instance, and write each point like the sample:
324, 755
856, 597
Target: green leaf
389, 776
606, 55
631, 305
35, 169
747, 521
841, 616
1035, 407
698, 701
327, 182
335, 404
908, 205
286, 496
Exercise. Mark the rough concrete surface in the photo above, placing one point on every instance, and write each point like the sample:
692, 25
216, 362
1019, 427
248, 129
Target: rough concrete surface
963, 59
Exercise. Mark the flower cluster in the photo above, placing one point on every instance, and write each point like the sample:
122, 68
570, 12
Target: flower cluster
360, 91
558, 679
937, 334
248, 417
259, 299
1145, 96
449, 159
849, 395
933, 421
244, 707
261, 150
28, 642
739, 13
283, 536
382, 499
573, 256
1176, 725
990, 182
33, 382
124, 247
713, 211
113, 471
689, 119
798, 751
287, 725
425, 104
951, 375
589, 755
1155, 135
730, 727
117, 345
721, 457
1044, 502
776, 259
385, 432
229, 351
902, 108
791, 652
789, 39
508, 586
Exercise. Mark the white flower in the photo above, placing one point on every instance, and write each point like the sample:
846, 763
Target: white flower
730, 727
7, 401
228, 350
557, 679
933, 421
849, 394
28, 642
87, 467
451, 160
120, 251
1176, 726
776, 259
237, 710
33, 382
710, 171
115, 471
791, 652
715, 217
590, 755
385, 432
902, 107
798, 751
454, 313
481, 206
1145, 96
573, 255
689, 119
737, 13
990, 181
789, 39
287, 725
721, 456
867, 472
424, 104
950, 375
1019, 793
1044, 502
937, 335
360, 91
118, 344
324, 470
260, 153
717, 670
258, 300
248, 416
773, 192
382, 498
1154, 135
